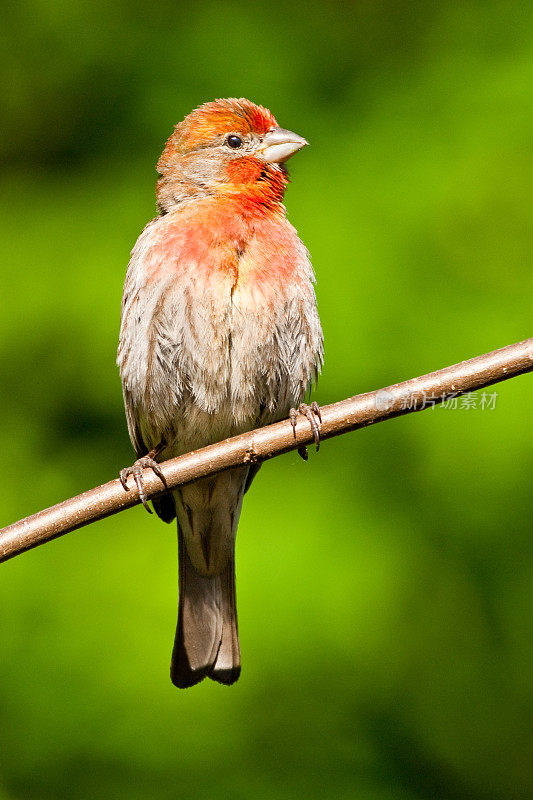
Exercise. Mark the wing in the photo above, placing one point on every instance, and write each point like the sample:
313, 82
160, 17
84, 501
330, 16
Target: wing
149, 343
133, 427
134, 298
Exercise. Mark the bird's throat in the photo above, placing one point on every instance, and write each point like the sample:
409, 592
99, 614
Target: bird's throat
255, 187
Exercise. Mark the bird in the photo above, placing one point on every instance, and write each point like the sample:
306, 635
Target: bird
219, 335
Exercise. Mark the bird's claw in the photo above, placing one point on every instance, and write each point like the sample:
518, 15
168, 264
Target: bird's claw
136, 470
312, 413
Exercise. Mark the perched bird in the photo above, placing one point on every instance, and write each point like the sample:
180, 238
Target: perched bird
219, 334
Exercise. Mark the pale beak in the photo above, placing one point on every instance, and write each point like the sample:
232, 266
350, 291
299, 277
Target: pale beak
278, 145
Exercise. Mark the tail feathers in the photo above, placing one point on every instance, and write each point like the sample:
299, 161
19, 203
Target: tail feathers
227, 666
207, 640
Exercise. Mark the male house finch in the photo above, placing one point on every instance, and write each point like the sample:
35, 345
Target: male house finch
219, 334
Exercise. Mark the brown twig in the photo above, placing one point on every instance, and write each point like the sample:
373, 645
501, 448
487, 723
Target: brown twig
258, 445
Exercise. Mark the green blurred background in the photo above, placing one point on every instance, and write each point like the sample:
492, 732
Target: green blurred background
384, 587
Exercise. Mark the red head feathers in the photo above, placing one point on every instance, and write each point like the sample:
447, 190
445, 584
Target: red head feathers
226, 148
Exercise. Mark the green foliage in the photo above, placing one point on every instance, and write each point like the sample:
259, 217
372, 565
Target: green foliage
384, 587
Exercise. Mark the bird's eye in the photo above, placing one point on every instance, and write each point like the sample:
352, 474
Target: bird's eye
234, 141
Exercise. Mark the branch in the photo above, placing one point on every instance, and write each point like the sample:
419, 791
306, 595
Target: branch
263, 443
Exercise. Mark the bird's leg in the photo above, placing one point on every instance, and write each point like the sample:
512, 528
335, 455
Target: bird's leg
136, 469
312, 413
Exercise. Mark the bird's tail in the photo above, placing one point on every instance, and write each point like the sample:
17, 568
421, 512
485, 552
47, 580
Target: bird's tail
207, 639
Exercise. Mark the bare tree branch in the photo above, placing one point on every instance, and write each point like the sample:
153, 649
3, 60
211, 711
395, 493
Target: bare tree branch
258, 445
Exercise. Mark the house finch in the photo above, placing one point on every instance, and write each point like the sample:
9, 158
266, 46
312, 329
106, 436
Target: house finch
219, 334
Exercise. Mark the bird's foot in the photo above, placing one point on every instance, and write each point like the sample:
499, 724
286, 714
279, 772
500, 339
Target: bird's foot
136, 470
312, 413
